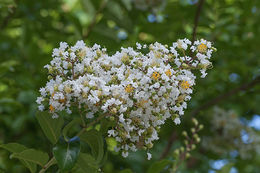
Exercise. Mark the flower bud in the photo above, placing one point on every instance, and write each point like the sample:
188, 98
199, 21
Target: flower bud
184, 133
195, 121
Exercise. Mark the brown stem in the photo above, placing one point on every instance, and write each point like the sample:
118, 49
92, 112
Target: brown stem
94, 20
196, 20
169, 145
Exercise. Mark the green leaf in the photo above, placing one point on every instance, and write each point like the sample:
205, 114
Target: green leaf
13, 147
126, 171
157, 167
17, 148
226, 168
87, 163
51, 127
66, 154
32, 155
95, 140
68, 127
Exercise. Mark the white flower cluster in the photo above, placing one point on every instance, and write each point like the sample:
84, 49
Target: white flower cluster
226, 126
137, 90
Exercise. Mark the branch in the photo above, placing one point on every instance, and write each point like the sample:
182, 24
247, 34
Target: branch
169, 145
221, 97
94, 20
196, 20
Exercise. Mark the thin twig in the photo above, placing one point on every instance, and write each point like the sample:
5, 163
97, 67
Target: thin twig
169, 145
196, 20
50, 163
94, 20
221, 97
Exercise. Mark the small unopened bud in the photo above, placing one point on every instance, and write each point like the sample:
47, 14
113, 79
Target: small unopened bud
193, 146
50, 77
201, 126
69, 65
195, 121
184, 65
182, 149
187, 155
186, 142
177, 152
197, 139
193, 130
114, 111
150, 145
51, 70
184, 133
111, 118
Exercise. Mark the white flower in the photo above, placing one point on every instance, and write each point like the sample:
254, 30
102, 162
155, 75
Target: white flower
149, 156
177, 121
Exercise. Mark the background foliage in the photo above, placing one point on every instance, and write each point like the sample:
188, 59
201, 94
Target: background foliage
29, 30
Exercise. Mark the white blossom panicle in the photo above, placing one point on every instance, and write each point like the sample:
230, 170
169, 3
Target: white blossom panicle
139, 91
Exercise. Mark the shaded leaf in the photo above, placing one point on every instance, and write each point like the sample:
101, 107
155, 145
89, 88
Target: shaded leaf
32, 155
17, 148
69, 126
157, 167
51, 127
95, 140
87, 163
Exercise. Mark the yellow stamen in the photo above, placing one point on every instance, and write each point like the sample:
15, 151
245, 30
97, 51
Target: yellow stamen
202, 48
129, 88
156, 75
168, 72
52, 108
185, 85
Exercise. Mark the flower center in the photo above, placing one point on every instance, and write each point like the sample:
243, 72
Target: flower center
156, 75
185, 85
168, 72
202, 48
129, 88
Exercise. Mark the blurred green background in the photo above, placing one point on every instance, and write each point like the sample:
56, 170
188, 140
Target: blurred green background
227, 101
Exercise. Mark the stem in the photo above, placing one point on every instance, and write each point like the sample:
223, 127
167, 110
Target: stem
196, 20
50, 163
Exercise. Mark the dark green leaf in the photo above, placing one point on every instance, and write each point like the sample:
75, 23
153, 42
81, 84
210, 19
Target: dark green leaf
51, 127
69, 126
87, 163
66, 154
95, 140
